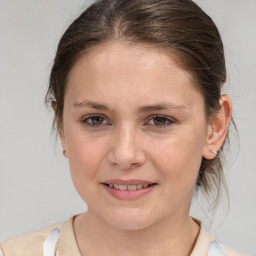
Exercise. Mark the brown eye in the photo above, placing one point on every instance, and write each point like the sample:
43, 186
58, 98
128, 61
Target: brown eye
159, 120
94, 121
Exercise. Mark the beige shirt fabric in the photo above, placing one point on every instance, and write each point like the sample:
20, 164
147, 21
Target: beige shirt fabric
31, 244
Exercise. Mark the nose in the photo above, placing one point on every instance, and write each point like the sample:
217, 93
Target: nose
126, 148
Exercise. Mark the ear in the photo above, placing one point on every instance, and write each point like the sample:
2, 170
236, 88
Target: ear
60, 130
217, 128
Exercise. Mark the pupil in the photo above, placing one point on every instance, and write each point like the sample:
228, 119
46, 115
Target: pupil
97, 120
159, 120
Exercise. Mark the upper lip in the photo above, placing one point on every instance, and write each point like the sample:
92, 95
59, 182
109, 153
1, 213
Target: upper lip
127, 182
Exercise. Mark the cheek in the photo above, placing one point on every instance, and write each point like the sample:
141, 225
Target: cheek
178, 159
85, 157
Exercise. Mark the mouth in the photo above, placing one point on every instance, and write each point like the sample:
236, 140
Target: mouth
128, 190
132, 187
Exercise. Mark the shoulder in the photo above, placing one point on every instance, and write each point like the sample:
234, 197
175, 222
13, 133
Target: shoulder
231, 252
28, 244
207, 245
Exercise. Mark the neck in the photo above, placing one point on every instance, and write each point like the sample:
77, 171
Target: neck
172, 236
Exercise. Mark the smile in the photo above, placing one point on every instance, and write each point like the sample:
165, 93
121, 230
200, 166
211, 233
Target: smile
128, 190
129, 187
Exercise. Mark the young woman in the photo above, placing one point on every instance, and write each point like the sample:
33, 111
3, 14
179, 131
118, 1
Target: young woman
136, 91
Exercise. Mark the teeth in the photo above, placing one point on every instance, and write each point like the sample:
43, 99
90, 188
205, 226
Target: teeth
139, 186
123, 187
129, 187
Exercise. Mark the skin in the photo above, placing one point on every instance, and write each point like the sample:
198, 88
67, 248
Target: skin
131, 144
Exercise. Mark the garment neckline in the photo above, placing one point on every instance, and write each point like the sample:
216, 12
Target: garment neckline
71, 247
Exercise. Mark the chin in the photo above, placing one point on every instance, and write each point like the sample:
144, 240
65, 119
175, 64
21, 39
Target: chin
125, 224
129, 220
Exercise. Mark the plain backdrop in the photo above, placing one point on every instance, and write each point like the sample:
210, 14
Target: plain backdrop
35, 184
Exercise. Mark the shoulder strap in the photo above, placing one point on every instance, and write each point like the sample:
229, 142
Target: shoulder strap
50, 242
1, 252
215, 249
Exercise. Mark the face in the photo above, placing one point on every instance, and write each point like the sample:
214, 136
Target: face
134, 129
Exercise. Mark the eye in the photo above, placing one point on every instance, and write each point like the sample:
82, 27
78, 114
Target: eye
160, 121
95, 121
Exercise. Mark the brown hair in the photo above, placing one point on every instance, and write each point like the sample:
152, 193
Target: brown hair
176, 25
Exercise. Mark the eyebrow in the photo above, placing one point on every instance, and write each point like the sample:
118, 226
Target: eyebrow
142, 109
94, 105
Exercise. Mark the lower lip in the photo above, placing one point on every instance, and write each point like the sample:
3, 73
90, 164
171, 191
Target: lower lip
128, 194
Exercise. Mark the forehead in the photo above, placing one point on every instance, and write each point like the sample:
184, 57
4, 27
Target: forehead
115, 69
116, 55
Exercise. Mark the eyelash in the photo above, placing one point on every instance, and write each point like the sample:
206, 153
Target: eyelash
168, 121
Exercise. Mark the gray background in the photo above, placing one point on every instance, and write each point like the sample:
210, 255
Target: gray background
35, 184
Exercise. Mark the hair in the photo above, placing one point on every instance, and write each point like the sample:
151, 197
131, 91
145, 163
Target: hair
179, 26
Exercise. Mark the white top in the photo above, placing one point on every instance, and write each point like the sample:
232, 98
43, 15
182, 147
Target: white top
59, 240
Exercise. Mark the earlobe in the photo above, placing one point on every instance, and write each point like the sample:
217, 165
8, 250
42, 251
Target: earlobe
54, 106
60, 130
63, 145
218, 127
